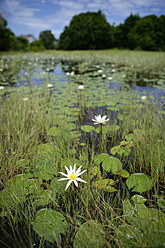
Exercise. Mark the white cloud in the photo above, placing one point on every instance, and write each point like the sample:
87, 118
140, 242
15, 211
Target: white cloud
39, 15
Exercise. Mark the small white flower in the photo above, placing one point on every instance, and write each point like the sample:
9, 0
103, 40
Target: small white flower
72, 175
2, 87
100, 120
103, 76
81, 87
49, 85
113, 70
100, 71
143, 97
110, 78
25, 99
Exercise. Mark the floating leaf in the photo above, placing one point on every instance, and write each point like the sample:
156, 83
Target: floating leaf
114, 150
100, 158
161, 203
46, 171
17, 189
123, 151
87, 128
96, 172
150, 220
123, 173
49, 224
138, 199
70, 161
111, 164
123, 143
90, 234
139, 182
105, 184
129, 137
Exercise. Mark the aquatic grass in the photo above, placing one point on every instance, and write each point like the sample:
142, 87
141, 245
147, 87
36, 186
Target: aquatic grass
43, 135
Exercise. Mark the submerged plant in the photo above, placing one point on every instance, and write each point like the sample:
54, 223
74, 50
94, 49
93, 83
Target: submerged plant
72, 175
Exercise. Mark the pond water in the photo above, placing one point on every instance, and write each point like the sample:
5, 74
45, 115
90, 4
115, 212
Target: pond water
40, 75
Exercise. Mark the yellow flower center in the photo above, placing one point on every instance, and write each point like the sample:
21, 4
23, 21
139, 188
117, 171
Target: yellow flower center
72, 176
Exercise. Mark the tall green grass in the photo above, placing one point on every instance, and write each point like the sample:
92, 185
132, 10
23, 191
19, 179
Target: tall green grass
35, 137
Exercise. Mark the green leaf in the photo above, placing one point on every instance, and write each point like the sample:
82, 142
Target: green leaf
123, 151
95, 172
123, 173
90, 234
105, 184
49, 224
161, 203
70, 161
139, 182
114, 150
129, 137
138, 199
100, 158
112, 164
46, 171
87, 128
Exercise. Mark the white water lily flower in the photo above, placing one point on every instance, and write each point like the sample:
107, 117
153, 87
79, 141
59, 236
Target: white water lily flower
25, 99
49, 85
143, 97
72, 175
100, 120
110, 78
2, 87
81, 87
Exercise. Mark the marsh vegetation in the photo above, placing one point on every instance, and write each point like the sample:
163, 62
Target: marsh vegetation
48, 101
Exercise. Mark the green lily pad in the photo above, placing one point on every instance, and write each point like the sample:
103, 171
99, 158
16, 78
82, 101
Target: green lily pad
95, 172
46, 171
111, 164
50, 224
123, 173
138, 199
105, 184
90, 234
87, 128
161, 203
100, 158
139, 182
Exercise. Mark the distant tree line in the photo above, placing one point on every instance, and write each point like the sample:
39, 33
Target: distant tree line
92, 31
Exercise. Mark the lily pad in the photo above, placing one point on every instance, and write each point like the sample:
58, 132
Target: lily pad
123, 173
90, 234
87, 128
100, 158
105, 184
139, 182
49, 225
112, 164
138, 199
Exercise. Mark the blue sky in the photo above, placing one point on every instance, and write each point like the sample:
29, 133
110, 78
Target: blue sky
34, 16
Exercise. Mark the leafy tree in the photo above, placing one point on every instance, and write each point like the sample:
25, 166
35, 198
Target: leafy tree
7, 39
87, 31
37, 46
160, 34
122, 31
143, 35
48, 39
21, 43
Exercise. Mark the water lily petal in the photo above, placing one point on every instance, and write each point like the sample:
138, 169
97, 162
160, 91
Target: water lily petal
68, 184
